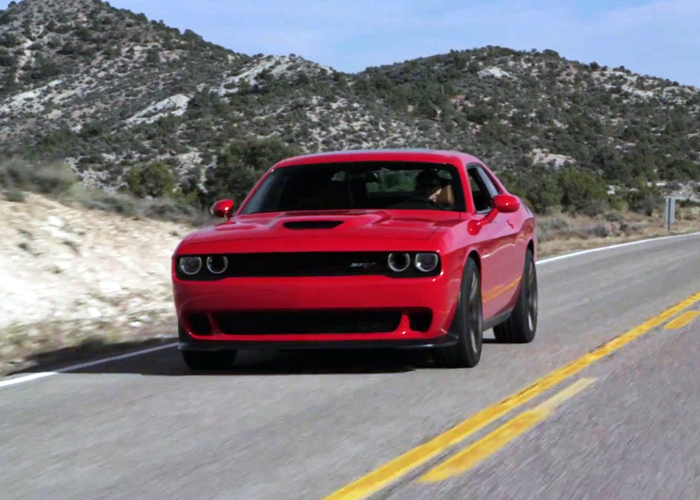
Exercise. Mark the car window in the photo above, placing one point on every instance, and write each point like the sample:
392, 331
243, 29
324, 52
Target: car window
483, 201
490, 186
359, 185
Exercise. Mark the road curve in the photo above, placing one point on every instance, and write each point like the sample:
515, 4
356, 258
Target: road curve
302, 426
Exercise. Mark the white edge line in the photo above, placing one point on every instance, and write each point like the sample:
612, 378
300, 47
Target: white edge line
26, 378
612, 247
36, 376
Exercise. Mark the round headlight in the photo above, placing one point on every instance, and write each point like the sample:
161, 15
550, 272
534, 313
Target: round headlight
399, 262
217, 264
190, 265
426, 262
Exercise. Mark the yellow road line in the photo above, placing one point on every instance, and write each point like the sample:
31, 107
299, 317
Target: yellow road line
394, 470
684, 319
496, 440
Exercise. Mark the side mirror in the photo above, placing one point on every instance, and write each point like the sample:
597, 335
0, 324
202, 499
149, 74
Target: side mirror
503, 203
222, 209
506, 203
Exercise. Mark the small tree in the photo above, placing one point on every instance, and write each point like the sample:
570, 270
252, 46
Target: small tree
152, 56
643, 198
155, 180
538, 187
240, 165
582, 191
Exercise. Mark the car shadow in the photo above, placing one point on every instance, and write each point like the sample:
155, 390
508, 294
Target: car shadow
162, 358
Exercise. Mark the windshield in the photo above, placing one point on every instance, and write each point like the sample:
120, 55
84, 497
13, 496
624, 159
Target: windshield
362, 185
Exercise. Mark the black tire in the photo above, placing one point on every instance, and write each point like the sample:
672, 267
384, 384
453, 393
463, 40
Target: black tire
468, 323
521, 326
209, 361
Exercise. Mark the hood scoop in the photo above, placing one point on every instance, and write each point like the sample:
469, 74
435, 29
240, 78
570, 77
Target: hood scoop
313, 224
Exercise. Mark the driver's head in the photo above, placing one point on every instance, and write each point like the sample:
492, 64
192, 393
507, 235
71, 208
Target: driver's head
430, 184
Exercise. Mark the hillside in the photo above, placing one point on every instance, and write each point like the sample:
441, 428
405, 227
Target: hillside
111, 91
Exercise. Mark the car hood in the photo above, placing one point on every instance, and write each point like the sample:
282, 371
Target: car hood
379, 224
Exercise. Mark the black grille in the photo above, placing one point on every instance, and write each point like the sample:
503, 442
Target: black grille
298, 264
307, 264
313, 224
279, 322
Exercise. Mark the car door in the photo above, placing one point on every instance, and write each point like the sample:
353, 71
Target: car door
499, 256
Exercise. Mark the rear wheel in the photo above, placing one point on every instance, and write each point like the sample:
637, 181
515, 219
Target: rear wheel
521, 326
208, 361
468, 323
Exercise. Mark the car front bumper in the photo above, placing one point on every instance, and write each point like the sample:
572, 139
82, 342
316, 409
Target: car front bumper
352, 296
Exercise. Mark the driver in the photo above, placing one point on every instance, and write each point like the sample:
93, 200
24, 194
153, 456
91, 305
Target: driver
430, 185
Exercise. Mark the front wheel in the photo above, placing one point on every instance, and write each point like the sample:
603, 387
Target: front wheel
209, 361
468, 323
521, 326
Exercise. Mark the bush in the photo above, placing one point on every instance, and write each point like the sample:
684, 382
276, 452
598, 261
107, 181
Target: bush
597, 231
152, 56
101, 200
175, 211
43, 69
480, 114
6, 58
154, 179
643, 199
582, 191
241, 165
51, 178
538, 187
15, 196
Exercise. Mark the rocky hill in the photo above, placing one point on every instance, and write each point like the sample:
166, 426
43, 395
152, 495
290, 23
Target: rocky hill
110, 90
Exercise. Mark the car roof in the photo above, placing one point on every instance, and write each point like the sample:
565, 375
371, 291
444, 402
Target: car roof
417, 155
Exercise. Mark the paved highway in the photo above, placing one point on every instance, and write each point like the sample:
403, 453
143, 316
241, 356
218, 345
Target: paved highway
618, 423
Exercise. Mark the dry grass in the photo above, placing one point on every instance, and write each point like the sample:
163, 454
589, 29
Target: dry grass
559, 233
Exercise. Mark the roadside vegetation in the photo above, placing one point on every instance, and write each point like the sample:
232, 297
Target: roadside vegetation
152, 189
57, 180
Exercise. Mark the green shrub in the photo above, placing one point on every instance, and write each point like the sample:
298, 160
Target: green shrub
538, 187
643, 199
582, 191
15, 196
241, 165
154, 179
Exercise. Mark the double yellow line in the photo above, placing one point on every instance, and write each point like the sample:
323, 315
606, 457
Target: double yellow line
394, 470
472, 455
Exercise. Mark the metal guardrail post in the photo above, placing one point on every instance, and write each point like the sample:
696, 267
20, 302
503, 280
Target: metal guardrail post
670, 214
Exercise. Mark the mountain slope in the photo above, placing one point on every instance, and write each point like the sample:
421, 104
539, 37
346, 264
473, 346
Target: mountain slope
108, 90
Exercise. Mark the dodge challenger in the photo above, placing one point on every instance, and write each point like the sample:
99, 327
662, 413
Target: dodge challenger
378, 248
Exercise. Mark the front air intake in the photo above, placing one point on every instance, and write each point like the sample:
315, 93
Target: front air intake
313, 224
307, 322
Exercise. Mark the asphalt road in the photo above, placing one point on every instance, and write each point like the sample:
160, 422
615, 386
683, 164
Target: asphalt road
302, 426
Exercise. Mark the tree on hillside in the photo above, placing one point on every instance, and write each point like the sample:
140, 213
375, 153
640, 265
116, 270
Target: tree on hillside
240, 165
155, 180
582, 191
539, 188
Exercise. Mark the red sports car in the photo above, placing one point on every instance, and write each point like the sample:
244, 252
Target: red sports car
401, 248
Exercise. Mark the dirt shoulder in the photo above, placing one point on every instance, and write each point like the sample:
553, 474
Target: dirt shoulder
77, 277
